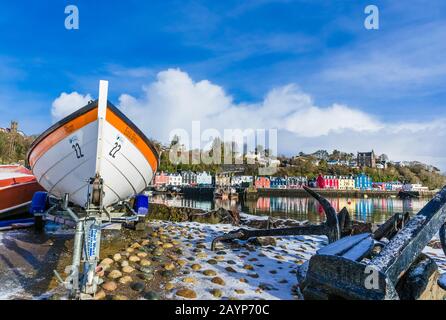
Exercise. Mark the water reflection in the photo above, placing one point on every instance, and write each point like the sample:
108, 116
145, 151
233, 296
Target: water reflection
375, 210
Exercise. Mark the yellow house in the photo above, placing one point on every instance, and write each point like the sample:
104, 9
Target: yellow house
346, 183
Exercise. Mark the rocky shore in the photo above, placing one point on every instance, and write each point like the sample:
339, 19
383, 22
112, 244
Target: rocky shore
172, 260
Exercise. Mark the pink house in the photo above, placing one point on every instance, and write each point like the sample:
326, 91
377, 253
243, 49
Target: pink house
263, 182
161, 179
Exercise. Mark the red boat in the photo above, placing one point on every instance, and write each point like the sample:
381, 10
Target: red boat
17, 186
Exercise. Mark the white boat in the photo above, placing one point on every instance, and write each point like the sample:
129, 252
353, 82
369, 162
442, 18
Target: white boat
96, 141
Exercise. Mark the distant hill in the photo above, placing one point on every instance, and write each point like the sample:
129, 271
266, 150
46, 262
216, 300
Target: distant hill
13, 147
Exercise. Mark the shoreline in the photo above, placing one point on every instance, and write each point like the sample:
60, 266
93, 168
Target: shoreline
334, 193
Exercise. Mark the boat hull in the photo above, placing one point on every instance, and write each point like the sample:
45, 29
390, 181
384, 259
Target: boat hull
17, 187
81, 146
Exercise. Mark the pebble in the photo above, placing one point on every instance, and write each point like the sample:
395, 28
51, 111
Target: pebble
189, 280
216, 293
134, 259
212, 261
181, 263
151, 295
117, 257
110, 286
230, 269
128, 269
115, 274
239, 291
136, 245
129, 250
218, 280
202, 255
142, 254
137, 286
253, 275
145, 263
167, 246
231, 262
107, 262
169, 266
120, 297
169, 286
125, 279
186, 293
196, 267
209, 273
100, 295
248, 267
243, 280
124, 263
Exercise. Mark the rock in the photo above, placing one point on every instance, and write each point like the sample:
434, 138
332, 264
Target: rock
137, 286
266, 286
243, 280
117, 257
253, 275
146, 269
115, 274
129, 250
248, 267
125, 280
209, 273
196, 267
107, 262
186, 293
136, 245
145, 263
169, 266
120, 297
134, 259
212, 261
231, 262
100, 295
219, 258
151, 295
124, 263
169, 286
230, 269
166, 273
239, 291
158, 252
167, 246
110, 286
216, 293
218, 280
145, 242
128, 269
142, 254
202, 255
273, 271
189, 280
221, 252
181, 263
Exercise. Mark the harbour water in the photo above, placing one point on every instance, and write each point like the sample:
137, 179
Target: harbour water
375, 210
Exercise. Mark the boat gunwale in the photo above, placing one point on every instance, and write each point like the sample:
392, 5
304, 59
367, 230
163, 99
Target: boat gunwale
84, 110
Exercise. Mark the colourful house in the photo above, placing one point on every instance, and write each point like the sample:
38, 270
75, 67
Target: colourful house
363, 182
278, 183
161, 179
263, 182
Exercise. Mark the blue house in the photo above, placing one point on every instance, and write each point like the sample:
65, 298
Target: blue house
278, 183
363, 182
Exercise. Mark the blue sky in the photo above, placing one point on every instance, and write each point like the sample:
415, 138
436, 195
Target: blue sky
247, 49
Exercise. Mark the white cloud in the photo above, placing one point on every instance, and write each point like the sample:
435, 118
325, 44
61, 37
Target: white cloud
174, 100
66, 104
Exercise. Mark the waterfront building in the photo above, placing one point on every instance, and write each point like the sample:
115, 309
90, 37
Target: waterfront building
320, 182
262, 182
161, 179
204, 179
331, 182
188, 178
223, 179
175, 179
363, 182
346, 183
296, 182
278, 183
366, 159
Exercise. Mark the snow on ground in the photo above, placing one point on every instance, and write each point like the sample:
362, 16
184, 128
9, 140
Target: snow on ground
248, 272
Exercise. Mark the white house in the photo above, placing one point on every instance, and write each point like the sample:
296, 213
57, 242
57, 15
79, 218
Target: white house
204, 178
175, 179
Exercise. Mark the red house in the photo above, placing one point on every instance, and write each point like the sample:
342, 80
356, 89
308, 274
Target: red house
161, 179
320, 181
263, 182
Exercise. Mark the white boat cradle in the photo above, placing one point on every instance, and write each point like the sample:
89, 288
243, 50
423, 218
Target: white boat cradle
91, 160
